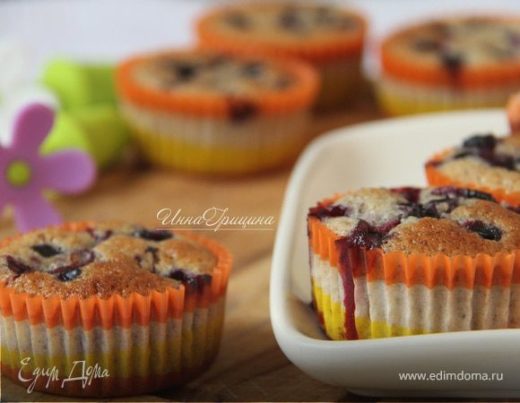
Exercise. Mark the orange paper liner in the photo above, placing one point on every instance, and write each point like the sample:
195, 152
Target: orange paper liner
117, 310
319, 51
513, 113
437, 178
502, 269
430, 74
297, 97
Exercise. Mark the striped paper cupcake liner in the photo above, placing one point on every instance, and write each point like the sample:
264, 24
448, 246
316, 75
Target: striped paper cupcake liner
397, 97
99, 347
217, 147
362, 294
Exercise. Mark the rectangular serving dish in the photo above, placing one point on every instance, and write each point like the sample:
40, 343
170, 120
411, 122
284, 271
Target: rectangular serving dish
385, 153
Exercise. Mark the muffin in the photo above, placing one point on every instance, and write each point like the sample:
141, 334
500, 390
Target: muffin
483, 162
211, 113
451, 63
406, 261
136, 309
328, 37
513, 113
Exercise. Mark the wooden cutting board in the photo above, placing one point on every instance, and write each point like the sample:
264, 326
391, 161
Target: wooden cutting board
250, 365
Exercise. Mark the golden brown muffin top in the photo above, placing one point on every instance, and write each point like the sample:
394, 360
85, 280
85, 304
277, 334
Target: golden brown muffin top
193, 73
103, 260
429, 221
485, 160
286, 23
457, 42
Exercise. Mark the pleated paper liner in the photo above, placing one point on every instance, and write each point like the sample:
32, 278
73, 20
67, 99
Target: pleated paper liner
398, 98
144, 342
297, 97
273, 144
489, 281
437, 178
322, 50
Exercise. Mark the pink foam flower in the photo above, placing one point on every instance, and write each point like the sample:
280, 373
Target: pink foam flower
25, 174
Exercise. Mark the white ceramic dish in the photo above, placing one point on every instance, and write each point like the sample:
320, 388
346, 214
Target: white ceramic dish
385, 153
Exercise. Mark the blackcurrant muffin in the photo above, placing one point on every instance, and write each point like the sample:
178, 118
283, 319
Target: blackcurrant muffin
465, 61
406, 261
483, 162
142, 308
329, 37
211, 113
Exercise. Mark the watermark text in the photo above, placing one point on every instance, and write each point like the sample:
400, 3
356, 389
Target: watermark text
79, 372
214, 219
447, 376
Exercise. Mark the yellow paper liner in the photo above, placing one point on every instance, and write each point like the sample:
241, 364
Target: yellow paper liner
410, 70
398, 98
502, 269
172, 303
437, 178
209, 158
336, 46
299, 96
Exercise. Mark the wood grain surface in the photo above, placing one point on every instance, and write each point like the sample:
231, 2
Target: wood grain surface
250, 365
